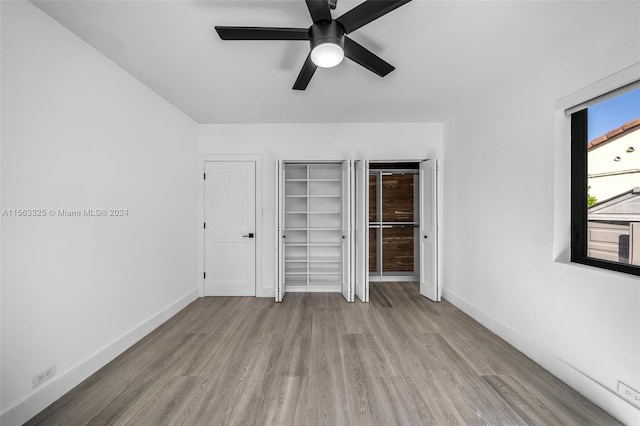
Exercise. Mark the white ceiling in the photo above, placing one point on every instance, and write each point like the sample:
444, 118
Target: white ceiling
446, 53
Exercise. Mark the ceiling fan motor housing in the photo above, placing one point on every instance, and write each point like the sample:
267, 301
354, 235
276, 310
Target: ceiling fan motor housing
326, 32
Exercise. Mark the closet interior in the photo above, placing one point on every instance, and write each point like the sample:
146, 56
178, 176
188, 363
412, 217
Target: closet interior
312, 227
394, 224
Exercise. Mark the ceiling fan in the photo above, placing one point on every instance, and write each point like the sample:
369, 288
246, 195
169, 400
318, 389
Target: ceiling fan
329, 44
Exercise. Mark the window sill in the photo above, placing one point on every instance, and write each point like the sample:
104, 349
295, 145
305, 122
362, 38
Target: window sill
562, 260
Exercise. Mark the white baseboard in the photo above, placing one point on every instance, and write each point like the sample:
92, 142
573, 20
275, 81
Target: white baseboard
599, 394
64, 382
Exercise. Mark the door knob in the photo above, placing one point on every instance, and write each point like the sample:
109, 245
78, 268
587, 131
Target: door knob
249, 235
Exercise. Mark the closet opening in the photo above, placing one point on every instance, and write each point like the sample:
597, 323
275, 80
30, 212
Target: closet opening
397, 225
344, 224
394, 222
314, 240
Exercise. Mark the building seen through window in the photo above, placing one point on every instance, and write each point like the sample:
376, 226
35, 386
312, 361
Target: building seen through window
613, 179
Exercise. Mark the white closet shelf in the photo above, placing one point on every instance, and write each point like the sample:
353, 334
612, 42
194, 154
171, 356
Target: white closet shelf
332, 288
308, 212
312, 196
313, 273
325, 260
313, 229
312, 180
313, 260
312, 244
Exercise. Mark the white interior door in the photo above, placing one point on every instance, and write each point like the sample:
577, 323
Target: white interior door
429, 276
280, 249
347, 283
230, 220
362, 230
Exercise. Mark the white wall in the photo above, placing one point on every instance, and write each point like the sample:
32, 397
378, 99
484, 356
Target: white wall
499, 266
380, 141
78, 133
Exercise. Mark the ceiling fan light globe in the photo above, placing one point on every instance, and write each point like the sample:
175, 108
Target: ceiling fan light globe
327, 55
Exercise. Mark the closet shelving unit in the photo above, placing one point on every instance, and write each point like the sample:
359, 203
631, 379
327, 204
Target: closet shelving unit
312, 227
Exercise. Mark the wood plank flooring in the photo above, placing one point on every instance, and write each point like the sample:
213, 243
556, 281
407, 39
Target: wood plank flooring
316, 360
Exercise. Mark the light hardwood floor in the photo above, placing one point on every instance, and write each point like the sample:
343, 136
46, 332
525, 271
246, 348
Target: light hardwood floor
315, 359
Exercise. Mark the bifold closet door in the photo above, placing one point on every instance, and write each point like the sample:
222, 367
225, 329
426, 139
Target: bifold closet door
280, 249
362, 230
347, 230
429, 285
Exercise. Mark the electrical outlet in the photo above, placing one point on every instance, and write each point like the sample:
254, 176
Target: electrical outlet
42, 377
629, 393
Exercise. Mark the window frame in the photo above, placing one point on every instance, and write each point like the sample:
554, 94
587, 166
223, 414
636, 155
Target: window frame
579, 190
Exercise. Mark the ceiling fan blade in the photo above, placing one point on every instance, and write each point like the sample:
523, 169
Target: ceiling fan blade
307, 71
319, 10
262, 33
366, 58
366, 12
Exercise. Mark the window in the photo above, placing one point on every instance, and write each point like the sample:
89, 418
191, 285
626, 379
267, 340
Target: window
605, 183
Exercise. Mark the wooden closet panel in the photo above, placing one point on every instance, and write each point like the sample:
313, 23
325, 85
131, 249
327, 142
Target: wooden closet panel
397, 249
373, 198
397, 198
373, 252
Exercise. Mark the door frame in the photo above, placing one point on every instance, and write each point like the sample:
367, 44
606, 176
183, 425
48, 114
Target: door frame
257, 160
279, 166
438, 212
381, 277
